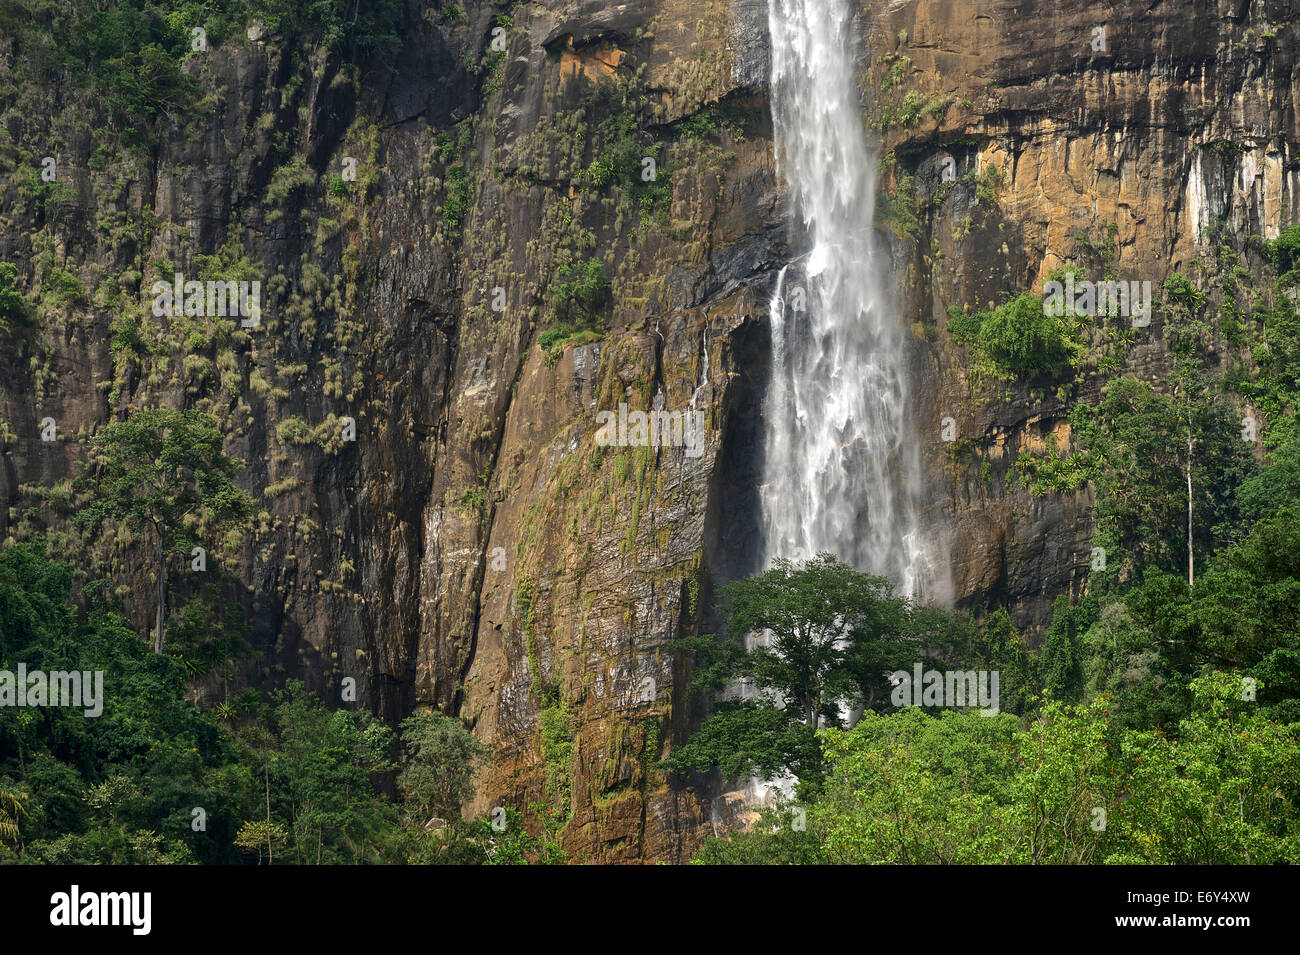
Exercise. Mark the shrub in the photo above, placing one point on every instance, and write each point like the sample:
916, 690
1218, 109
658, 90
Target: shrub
457, 202
13, 309
963, 326
1018, 338
358, 32
582, 291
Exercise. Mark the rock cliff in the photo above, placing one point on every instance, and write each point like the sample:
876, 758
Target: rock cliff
421, 229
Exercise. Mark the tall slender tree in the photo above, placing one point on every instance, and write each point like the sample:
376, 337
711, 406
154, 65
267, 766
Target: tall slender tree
13, 806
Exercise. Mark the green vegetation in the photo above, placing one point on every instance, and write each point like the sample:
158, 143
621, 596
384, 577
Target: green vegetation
130, 55
898, 209
443, 758
834, 634
473, 499
155, 780
621, 149
912, 107
1017, 338
457, 188
453, 13
1212, 778
14, 311
987, 184
163, 472
580, 291
1158, 720
1165, 695
557, 756
1068, 789
555, 724
578, 295
359, 32
620, 158
457, 201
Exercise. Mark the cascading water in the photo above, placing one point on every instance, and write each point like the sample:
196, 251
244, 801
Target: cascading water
843, 468
842, 457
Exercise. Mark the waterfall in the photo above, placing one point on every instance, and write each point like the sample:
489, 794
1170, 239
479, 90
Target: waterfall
842, 453
843, 464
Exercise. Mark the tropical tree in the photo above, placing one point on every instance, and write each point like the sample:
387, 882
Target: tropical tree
1222, 791
258, 834
823, 638
1060, 658
442, 759
832, 634
1021, 339
13, 806
1165, 465
320, 773
908, 787
164, 471
1074, 789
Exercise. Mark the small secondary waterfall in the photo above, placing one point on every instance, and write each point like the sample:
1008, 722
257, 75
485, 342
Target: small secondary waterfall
843, 468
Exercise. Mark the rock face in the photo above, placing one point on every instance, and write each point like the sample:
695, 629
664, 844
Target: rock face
1125, 138
475, 549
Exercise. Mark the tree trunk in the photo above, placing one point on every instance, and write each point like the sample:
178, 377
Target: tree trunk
1191, 575
266, 768
162, 598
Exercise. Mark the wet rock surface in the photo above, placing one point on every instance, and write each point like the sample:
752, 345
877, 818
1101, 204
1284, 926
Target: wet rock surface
475, 550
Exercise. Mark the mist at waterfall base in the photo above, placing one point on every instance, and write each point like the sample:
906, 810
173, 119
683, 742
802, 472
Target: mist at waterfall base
843, 472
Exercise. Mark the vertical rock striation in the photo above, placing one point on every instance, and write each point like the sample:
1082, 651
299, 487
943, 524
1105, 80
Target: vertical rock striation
474, 549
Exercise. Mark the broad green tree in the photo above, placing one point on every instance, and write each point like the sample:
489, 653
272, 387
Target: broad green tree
1066, 790
164, 472
320, 777
1073, 788
441, 762
912, 788
1222, 791
1135, 443
831, 636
